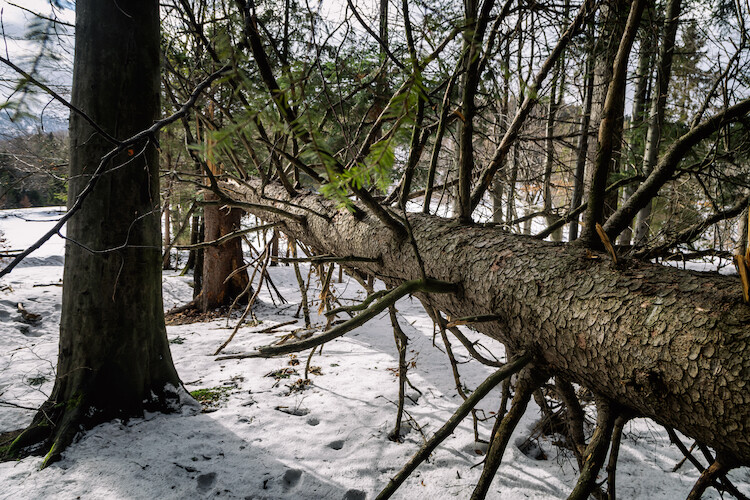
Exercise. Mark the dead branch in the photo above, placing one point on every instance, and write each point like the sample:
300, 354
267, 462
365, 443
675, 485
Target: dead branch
448, 428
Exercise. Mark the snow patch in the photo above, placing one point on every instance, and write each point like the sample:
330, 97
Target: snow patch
247, 448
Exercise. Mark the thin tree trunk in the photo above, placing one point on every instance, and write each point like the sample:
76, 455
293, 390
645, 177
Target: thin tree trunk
476, 24
275, 248
498, 186
743, 241
200, 253
167, 259
612, 16
638, 124
194, 239
510, 209
496, 191
582, 148
549, 144
658, 106
610, 128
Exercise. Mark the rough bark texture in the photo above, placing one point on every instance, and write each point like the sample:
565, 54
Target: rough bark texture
222, 260
114, 359
668, 344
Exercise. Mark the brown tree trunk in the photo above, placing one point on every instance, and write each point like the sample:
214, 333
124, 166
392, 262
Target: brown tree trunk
195, 223
221, 260
549, 144
667, 344
612, 16
167, 259
198, 267
114, 359
274, 248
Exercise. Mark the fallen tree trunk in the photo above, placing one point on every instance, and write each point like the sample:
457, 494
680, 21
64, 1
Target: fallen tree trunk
667, 344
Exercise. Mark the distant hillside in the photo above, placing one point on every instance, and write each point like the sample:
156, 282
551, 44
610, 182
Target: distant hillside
33, 167
27, 126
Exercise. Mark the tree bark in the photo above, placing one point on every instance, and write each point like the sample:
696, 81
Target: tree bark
742, 234
549, 143
582, 148
658, 107
220, 261
667, 344
638, 119
611, 24
114, 359
610, 127
167, 258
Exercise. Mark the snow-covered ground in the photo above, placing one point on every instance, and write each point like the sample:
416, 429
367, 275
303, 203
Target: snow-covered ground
267, 440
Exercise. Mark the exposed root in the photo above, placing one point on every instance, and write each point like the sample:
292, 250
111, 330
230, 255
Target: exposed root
54, 427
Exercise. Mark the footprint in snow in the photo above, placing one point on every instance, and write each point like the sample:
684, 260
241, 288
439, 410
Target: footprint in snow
206, 481
336, 445
313, 421
355, 495
291, 478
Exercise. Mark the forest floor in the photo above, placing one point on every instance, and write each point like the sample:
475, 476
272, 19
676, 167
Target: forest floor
263, 432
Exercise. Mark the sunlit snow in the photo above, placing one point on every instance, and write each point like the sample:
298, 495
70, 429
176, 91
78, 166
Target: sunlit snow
334, 443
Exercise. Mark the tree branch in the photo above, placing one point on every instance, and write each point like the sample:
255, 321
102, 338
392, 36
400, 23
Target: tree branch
448, 428
408, 287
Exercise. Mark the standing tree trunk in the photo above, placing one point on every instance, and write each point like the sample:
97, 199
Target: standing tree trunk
166, 259
658, 107
612, 17
114, 359
219, 261
638, 122
195, 223
610, 127
582, 146
496, 192
743, 240
549, 143
198, 265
